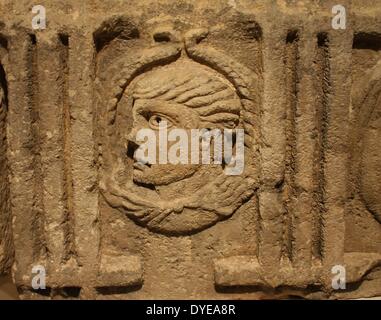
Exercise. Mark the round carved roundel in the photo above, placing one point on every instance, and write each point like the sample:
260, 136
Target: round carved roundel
187, 196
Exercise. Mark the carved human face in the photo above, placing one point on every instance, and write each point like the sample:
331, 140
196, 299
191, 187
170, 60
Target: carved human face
186, 96
178, 196
151, 113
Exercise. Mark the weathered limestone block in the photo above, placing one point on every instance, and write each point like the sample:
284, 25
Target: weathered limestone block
78, 201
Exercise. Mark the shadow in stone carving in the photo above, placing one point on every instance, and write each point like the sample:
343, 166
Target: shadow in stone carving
3, 83
118, 290
8, 290
43, 292
282, 292
367, 41
112, 29
68, 292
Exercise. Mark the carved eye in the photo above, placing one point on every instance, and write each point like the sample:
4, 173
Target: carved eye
157, 120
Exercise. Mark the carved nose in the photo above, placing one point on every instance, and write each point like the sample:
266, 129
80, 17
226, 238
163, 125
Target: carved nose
131, 137
132, 144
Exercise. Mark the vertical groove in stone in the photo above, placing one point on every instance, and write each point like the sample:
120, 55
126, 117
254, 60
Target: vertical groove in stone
304, 162
52, 54
291, 63
322, 110
40, 250
22, 155
68, 180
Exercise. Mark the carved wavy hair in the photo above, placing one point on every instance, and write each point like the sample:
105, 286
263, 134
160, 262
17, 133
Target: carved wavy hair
188, 83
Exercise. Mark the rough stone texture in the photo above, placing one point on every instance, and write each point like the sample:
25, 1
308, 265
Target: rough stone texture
306, 95
6, 246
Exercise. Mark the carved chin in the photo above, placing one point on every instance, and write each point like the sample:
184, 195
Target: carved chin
163, 174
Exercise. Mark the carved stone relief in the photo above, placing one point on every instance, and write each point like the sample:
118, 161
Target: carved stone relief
106, 225
188, 95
